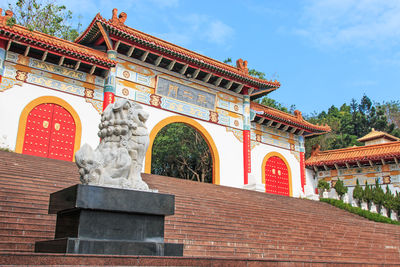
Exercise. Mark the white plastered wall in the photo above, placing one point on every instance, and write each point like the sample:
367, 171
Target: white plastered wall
257, 156
14, 100
230, 149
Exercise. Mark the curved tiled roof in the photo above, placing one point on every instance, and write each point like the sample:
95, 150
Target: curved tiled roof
47, 42
165, 47
293, 120
377, 134
354, 154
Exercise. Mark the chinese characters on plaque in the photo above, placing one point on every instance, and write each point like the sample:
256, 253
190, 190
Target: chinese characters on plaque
185, 93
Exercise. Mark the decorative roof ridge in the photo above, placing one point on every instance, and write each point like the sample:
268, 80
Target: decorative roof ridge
355, 148
54, 41
296, 118
184, 51
373, 134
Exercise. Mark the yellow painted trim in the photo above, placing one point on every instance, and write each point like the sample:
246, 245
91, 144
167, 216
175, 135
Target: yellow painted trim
276, 154
42, 100
207, 137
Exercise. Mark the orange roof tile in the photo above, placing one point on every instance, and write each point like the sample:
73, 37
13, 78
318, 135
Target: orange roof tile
293, 120
21, 34
354, 154
377, 134
164, 46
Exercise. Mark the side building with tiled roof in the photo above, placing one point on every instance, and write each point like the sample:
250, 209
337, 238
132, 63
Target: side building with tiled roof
53, 92
377, 160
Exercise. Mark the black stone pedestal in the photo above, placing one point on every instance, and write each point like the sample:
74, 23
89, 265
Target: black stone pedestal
102, 220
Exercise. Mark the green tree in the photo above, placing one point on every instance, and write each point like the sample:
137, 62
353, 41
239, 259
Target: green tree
323, 185
45, 16
367, 194
180, 151
378, 195
388, 200
358, 193
340, 188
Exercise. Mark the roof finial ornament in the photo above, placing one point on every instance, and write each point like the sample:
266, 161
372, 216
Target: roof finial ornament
242, 66
7, 15
118, 19
315, 149
298, 115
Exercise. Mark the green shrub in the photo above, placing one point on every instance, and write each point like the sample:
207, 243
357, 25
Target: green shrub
364, 213
358, 193
367, 194
378, 196
322, 184
340, 188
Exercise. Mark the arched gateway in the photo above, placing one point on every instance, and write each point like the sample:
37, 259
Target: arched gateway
277, 175
207, 137
49, 127
172, 83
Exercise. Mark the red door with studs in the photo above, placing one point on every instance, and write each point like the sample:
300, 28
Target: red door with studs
50, 132
276, 177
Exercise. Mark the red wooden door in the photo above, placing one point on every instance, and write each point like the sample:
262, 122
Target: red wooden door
276, 177
50, 132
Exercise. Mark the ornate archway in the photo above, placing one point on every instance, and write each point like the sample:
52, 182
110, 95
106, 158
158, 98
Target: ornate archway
49, 127
207, 137
276, 174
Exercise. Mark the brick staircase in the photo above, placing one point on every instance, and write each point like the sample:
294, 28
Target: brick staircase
218, 225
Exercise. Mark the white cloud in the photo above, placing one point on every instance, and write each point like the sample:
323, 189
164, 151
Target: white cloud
218, 32
360, 23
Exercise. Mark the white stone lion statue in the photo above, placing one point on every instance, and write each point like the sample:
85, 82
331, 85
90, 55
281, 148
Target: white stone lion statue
118, 159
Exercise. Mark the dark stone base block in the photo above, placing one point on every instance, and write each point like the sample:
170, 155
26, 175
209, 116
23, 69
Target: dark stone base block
101, 220
86, 246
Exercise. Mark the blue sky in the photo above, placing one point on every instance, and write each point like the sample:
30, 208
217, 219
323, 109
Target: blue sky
324, 52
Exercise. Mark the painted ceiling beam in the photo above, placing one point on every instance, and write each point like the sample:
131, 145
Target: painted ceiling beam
27, 50
171, 65
336, 166
326, 167
285, 128
239, 88
301, 132
359, 164
207, 78
371, 163
269, 123
61, 61
117, 45
278, 125
395, 160
144, 56
315, 169
92, 69
347, 165
158, 61
251, 90
383, 162
229, 85
78, 63
8, 45
293, 130
218, 81
184, 68
44, 55
130, 51
261, 120
196, 73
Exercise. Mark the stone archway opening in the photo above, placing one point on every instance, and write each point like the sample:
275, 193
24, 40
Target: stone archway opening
181, 151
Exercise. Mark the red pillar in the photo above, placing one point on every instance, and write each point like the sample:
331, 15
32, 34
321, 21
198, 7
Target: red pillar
246, 137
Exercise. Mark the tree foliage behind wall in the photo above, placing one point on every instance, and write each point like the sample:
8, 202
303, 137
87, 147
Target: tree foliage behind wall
45, 16
180, 151
354, 120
